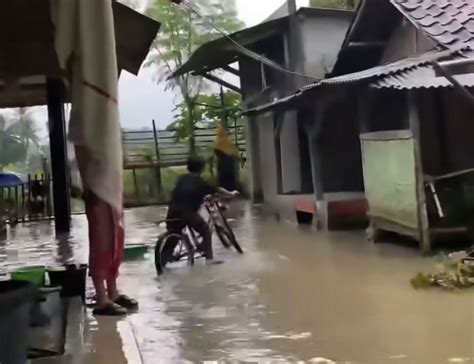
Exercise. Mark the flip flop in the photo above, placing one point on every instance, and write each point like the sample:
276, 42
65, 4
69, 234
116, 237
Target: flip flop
110, 309
126, 302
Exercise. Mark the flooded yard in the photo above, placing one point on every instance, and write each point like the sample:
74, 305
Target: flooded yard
295, 295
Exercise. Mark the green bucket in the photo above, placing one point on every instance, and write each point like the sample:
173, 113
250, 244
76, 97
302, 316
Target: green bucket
136, 251
33, 274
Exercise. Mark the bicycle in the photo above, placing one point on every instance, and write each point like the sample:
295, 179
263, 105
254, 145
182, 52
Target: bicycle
173, 247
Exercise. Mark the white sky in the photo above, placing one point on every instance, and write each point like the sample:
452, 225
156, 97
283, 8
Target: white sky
254, 11
142, 100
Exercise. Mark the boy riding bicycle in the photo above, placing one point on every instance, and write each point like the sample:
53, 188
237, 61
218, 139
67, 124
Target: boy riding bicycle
186, 200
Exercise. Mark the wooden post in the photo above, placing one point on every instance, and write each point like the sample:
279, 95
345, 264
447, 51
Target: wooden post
414, 120
135, 184
159, 180
57, 137
23, 202
313, 131
364, 105
223, 110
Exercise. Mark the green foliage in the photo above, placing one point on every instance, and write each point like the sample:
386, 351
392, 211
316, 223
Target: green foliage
12, 148
182, 32
335, 4
25, 127
204, 116
218, 111
18, 135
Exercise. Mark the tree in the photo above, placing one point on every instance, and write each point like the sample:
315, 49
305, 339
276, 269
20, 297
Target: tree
221, 109
209, 110
335, 4
12, 149
182, 32
25, 128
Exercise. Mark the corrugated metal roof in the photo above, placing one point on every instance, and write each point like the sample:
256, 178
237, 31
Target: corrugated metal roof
376, 73
422, 77
448, 22
387, 69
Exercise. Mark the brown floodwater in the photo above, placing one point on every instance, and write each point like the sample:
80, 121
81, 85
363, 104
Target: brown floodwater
295, 295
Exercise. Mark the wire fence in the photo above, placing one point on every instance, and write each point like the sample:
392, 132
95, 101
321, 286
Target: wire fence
164, 148
29, 201
153, 158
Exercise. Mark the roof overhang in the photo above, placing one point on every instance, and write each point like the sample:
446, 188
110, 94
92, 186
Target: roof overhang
375, 75
28, 52
363, 47
223, 51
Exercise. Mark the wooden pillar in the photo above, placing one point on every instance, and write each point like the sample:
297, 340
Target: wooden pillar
57, 137
253, 152
313, 132
414, 120
158, 161
364, 108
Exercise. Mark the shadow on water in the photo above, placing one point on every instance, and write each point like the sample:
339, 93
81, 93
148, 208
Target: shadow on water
294, 295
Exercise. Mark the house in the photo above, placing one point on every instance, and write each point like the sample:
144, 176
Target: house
415, 123
278, 148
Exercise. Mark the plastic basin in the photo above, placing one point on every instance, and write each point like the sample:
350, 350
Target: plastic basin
136, 251
33, 274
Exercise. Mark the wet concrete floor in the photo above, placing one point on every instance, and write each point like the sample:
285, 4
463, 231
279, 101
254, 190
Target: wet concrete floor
294, 296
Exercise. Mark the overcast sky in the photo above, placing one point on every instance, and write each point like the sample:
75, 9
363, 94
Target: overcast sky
141, 99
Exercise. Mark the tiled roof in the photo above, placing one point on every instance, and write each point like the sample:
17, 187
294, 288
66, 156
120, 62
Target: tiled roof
448, 22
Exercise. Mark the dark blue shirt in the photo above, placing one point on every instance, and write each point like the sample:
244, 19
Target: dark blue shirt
189, 193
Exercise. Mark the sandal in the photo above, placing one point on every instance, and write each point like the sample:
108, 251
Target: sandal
126, 302
110, 309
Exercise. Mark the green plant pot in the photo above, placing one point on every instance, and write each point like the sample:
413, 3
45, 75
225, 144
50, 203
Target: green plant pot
33, 274
136, 251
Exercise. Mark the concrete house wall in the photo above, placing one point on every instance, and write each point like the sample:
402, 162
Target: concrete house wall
278, 162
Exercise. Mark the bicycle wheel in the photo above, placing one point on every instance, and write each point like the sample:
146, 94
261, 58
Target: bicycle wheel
227, 237
172, 248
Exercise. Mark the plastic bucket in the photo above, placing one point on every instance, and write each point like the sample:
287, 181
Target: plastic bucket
71, 279
33, 274
16, 298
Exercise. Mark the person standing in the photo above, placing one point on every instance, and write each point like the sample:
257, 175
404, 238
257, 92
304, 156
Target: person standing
86, 49
227, 160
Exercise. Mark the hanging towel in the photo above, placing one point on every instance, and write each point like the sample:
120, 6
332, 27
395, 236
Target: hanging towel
85, 44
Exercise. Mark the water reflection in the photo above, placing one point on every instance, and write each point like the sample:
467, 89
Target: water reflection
294, 296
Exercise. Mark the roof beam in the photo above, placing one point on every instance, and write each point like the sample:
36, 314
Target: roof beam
457, 86
221, 82
370, 44
232, 70
458, 62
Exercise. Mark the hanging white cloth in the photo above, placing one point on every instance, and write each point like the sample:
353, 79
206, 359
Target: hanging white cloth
85, 45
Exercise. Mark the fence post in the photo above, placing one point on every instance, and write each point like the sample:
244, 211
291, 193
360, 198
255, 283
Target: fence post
158, 161
135, 183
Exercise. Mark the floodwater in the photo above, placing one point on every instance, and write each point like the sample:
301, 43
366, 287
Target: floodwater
296, 295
